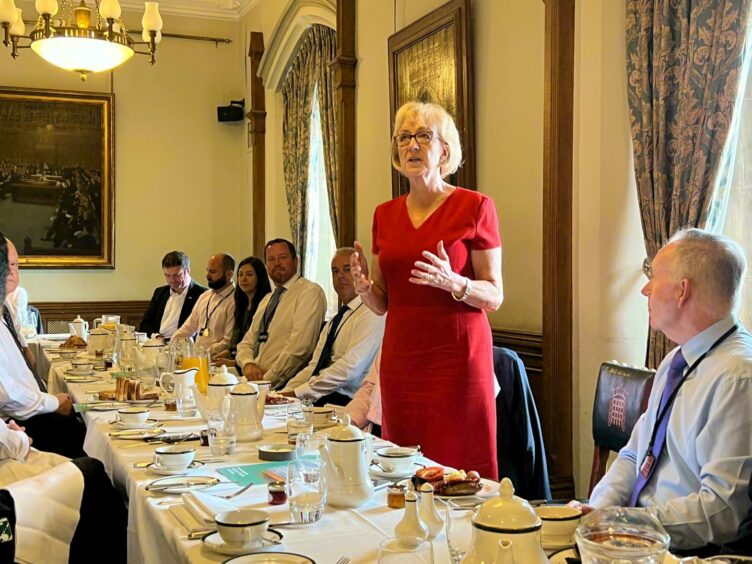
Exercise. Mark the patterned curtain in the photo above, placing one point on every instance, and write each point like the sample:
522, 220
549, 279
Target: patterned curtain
308, 68
683, 63
328, 110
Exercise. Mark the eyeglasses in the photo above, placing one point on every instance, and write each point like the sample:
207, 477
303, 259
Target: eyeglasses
422, 137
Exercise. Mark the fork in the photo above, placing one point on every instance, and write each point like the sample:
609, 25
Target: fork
233, 494
343, 560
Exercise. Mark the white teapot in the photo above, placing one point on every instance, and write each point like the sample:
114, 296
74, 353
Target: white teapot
148, 352
79, 327
244, 407
219, 386
506, 530
348, 453
98, 340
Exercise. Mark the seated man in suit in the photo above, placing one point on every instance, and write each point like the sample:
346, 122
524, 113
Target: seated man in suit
84, 515
48, 419
689, 457
171, 305
346, 347
286, 325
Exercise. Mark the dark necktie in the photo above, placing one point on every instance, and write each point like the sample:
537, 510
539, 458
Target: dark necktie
326, 353
8, 320
266, 320
673, 377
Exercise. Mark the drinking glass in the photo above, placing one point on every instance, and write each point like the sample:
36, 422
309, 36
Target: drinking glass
126, 354
200, 359
306, 481
296, 424
307, 446
459, 530
392, 552
184, 400
28, 320
223, 433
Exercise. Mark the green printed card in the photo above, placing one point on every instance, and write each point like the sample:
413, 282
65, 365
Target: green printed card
253, 473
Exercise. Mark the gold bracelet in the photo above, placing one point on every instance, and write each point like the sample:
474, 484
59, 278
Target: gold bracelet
465, 294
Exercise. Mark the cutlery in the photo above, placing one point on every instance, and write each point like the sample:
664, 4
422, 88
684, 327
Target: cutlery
199, 534
161, 441
187, 483
343, 560
145, 463
240, 491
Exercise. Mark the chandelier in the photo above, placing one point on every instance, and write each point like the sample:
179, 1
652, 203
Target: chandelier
80, 40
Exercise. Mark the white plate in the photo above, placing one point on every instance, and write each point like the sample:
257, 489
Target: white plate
148, 424
560, 557
136, 434
107, 406
271, 558
159, 471
488, 489
72, 372
214, 542
379, 473
145, 401
182, 483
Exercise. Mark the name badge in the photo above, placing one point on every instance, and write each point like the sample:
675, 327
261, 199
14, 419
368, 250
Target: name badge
647, 465
205, 332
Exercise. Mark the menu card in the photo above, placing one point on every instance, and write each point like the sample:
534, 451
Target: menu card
253, 473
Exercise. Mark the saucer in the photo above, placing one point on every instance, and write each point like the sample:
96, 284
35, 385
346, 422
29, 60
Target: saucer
380, 473
271, 558
148, 424
556, 546
214, 542
131, 434
73, 372
155, 468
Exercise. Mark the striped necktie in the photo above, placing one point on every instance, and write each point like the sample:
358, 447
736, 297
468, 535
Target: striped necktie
8, 320
325, 358
266, 320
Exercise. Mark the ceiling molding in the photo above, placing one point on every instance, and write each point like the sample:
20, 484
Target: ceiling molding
207, 9
298, 16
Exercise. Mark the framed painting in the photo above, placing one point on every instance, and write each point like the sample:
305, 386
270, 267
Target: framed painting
431, 61
57, 177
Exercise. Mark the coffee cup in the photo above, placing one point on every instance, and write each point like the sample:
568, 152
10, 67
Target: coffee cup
82, 365
174, 457
559, 523
322, 415
243, 526
133, 415
397, 459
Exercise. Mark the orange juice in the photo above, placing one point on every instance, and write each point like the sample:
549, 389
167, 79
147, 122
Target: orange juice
202, 376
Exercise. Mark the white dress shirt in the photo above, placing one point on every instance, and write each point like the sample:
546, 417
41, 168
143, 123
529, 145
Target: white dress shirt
214, 311
171, 315
16, 302
292, 333
698, 490
20, 396
13, 444
365, 406
357, 341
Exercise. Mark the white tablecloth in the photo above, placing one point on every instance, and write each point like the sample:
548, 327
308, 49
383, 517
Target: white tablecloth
43, 359
155, 536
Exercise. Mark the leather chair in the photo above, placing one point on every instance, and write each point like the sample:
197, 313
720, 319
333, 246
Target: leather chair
621, 396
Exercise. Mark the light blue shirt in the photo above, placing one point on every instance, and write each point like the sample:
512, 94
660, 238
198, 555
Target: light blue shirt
699, 488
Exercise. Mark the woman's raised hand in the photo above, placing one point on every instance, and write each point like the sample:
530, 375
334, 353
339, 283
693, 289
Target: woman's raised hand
437, 272
359, 271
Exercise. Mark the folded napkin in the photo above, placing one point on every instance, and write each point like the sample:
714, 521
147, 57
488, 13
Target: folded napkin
203, 507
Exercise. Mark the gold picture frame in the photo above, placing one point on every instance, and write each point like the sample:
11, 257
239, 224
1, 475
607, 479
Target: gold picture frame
57, 178
431, 61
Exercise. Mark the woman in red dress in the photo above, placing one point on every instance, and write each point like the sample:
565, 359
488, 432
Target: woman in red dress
436, 270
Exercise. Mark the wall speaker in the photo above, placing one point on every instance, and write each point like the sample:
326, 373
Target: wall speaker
233, 112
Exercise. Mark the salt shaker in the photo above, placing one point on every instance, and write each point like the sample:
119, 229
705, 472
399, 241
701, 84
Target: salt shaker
428, 513
411, 531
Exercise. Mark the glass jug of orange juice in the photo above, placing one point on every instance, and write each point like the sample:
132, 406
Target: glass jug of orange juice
199, 358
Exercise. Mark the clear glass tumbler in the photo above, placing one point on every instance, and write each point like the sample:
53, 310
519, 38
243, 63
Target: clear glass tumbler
223, 434
306, 481
459, 530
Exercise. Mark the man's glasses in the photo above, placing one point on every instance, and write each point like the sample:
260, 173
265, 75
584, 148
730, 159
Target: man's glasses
422, 137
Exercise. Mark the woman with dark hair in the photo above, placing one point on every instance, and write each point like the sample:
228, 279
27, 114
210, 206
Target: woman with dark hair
252, 285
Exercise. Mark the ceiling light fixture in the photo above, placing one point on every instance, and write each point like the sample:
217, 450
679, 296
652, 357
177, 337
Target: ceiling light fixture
81, 40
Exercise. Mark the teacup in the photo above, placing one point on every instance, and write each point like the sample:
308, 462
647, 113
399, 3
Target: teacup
397, 459
67, 354
243, 526
559, 523
174, 457
82, 365
133, 415
322, 415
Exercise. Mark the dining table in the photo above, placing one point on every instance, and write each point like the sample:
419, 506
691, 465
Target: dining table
155, 535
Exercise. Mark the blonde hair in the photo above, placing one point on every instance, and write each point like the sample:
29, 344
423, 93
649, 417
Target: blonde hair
427, 114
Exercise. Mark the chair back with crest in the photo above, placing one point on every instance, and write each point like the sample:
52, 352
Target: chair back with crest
621, 396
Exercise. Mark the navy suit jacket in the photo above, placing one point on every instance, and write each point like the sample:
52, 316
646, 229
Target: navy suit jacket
153, 316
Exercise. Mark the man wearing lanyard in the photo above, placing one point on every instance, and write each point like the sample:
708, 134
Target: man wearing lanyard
213, 317
689, 457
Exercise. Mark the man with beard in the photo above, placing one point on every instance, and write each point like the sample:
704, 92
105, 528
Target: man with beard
286, 325
213, 317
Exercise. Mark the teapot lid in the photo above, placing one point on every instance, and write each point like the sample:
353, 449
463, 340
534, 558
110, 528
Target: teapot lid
223, 378
244, 388
78, 319
507, 513
154, 342
345, 432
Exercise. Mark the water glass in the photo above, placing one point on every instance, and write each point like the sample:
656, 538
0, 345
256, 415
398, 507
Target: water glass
296, 424
223, 433
28, 321
306, 480
308, 445
392, 552
459, 530
184, 401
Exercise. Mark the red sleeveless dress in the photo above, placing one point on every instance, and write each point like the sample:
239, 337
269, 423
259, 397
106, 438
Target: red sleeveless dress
436, 373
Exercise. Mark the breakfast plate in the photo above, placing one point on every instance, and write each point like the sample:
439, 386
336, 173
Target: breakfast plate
180, 484
136, 434
155, 468
107, 406
488, 489
213, 541
148, 424
378, 472
271, 558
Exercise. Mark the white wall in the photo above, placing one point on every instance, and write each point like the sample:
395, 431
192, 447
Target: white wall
180, 176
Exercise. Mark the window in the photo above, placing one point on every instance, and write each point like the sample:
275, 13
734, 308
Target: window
320, 243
